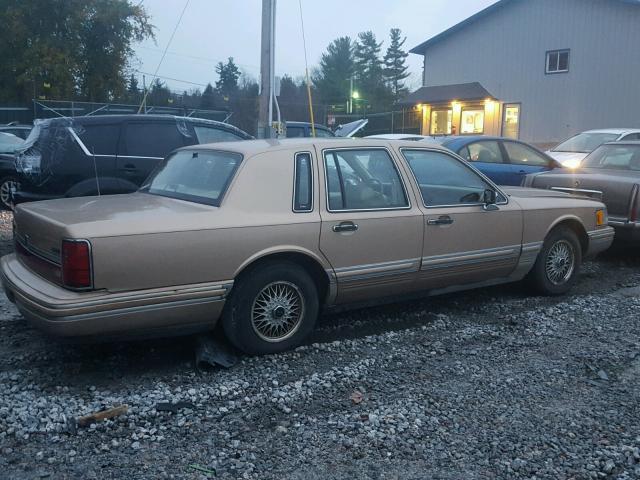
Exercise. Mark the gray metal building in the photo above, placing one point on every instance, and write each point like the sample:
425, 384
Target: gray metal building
551, 68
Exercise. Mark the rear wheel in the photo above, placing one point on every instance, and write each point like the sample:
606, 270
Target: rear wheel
272, 308
7, 186
558, 264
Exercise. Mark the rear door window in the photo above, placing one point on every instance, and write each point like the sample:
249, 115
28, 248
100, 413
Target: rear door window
99, 139
152, 139
632, 136
485, 152
364, 179
210, 134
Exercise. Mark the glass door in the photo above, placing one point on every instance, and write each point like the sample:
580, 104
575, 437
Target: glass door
511, 120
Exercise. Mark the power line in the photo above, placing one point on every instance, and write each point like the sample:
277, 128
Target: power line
144, 99
174, 79
197, 57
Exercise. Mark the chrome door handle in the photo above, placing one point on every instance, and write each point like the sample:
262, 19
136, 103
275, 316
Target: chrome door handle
345, 227
444, 220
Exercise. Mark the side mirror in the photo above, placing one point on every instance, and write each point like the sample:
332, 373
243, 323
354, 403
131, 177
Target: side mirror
489, 198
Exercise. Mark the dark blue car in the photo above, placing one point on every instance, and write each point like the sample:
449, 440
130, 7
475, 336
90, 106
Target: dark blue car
503, 160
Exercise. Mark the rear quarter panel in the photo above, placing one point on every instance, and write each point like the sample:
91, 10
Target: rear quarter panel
542, 214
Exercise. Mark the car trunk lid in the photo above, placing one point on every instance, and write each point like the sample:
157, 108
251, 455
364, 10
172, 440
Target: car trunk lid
613, 187
40, 227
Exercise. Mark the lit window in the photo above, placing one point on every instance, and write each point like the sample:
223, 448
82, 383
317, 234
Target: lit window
472, 121
441, 122
557, 61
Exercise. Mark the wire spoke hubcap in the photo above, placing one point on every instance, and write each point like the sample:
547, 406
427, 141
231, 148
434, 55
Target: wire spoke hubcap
277, 311
560, 262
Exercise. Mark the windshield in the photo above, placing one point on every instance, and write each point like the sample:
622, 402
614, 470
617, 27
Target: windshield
585, 142
196, 176
9, 143
614, 157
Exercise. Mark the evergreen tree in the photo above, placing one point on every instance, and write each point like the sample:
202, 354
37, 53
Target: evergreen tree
396, 69
207, 100
288, 89
228, 75
332, 77
159, 93
133, 91
369, 71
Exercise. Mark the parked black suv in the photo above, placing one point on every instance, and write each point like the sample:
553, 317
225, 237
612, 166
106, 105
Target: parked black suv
72, 157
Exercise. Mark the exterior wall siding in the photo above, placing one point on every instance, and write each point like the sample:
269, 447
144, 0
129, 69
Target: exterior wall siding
505, 51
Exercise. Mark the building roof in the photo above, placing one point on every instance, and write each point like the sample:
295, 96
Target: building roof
448, 93
482, 13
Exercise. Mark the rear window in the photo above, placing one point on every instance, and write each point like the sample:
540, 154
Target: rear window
212, 134
152, 139
195, 176
614, 157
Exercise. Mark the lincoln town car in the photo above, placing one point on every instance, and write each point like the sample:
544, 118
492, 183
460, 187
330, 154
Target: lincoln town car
260, 236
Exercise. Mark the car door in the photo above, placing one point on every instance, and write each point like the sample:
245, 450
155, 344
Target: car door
524, 160
487, 156
92, 168
371, 229
142, 145
464, 242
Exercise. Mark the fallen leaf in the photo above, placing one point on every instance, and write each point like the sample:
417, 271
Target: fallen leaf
356, 397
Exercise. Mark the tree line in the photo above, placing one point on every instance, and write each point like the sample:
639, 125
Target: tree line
83, 50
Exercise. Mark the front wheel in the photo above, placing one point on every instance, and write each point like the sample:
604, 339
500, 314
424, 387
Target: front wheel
272, 308
558, 263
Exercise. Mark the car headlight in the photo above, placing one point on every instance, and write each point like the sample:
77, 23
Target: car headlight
573, 163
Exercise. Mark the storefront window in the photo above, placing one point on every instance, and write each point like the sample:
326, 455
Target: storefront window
472, 121
441, 122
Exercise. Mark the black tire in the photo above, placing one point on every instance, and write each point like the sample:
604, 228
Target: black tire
253, 288
5, 186
549, 277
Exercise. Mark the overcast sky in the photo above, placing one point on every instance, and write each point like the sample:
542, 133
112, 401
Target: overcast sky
212, 30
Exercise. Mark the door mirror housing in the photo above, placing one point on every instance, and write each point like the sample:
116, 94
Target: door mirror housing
489, 198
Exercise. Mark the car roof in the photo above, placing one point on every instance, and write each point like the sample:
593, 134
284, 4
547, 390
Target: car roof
397, 136
101, 119
253, 147
618, 131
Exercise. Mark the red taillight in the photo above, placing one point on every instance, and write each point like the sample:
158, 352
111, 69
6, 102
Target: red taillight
76, 264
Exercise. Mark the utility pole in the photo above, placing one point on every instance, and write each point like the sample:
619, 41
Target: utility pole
265, 105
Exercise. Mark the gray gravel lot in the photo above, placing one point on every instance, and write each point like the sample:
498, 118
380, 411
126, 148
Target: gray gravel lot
492, 383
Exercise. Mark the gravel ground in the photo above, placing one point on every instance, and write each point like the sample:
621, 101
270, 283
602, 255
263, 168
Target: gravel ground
492, 383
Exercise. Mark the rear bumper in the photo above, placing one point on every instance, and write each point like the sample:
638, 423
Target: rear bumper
144, 313
626, 231
600, 240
